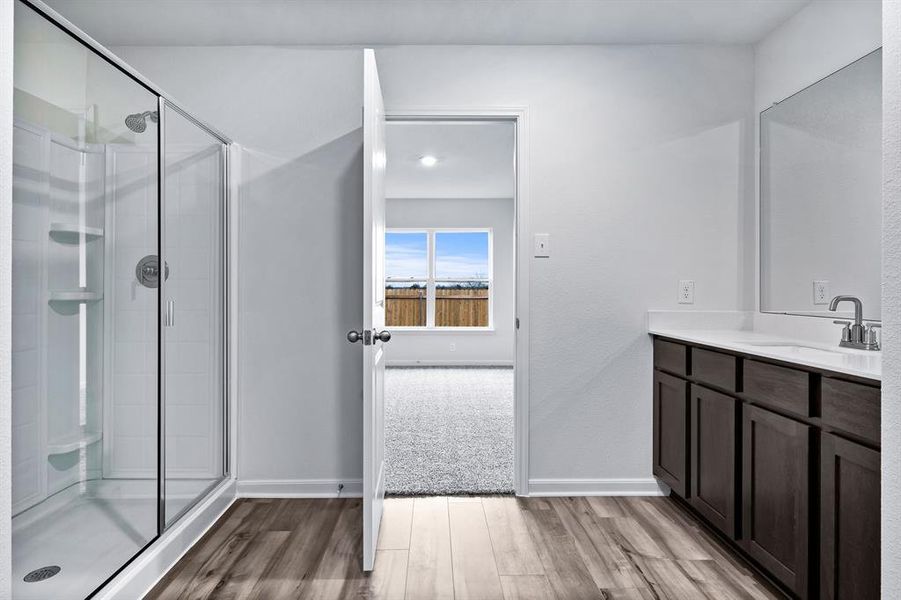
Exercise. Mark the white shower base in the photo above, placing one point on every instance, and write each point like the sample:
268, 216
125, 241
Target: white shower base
89, 530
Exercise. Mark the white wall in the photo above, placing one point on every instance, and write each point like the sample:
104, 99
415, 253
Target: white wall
6, 160
640, 158
821, 38
891, 302
471, 347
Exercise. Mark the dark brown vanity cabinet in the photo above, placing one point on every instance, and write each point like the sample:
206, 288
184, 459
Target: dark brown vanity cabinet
849, 520
782, 460
671, 431
713, 457
775, 494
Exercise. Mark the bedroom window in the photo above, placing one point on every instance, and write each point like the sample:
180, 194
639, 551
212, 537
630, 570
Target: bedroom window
438, 278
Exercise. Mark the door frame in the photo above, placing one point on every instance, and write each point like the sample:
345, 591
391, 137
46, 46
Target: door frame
518, 115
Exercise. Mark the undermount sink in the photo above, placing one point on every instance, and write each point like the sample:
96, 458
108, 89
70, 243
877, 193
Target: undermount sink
794, 348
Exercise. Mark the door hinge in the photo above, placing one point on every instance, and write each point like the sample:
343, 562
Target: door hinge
517, 322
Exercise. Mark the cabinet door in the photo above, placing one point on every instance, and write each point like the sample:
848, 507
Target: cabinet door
849, 520
671, 432
775, 495
714, 457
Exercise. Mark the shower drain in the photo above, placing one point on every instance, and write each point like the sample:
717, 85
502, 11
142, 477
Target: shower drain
41, 574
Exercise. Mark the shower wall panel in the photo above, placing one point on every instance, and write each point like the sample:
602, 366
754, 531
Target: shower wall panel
131, 406
31, 183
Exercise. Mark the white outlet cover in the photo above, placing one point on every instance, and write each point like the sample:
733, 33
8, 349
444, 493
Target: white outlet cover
453, 347
686, 291
821, 293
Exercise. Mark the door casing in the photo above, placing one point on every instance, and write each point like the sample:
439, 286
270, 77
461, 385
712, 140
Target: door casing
518, 115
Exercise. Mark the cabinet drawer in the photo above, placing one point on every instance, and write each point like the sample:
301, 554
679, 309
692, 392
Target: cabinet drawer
851, 407
671, 357
780, 387
713, 368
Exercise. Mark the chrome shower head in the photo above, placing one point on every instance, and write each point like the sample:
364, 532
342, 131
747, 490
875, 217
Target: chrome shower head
137, 122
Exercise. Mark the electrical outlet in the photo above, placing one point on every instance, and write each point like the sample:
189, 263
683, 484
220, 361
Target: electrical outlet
453, 347
821, 293
686, 291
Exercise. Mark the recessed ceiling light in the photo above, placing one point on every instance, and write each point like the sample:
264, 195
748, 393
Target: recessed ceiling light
428, 160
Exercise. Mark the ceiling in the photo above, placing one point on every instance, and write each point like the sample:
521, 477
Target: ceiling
475, 160
390, 22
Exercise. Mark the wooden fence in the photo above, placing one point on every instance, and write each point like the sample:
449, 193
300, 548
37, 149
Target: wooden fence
405, 307
454, 307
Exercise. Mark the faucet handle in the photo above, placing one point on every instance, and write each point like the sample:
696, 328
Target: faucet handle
846, 332
872, 340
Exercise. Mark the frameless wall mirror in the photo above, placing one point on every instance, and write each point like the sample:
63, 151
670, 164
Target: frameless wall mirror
820, 194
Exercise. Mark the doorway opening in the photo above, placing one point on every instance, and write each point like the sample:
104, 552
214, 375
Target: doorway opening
450, 304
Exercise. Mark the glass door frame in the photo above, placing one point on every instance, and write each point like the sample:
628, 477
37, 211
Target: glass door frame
165, 104
166, 101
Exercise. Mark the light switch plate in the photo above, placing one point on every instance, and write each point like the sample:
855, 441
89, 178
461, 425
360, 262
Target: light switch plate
686, 291
821, 293
542, 245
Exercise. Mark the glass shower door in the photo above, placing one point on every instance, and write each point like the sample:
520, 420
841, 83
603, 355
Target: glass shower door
193, 311
85, 342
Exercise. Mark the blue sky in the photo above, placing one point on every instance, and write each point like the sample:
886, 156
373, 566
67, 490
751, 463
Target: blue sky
457, 254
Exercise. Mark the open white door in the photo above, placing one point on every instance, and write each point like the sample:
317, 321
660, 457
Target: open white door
374, 336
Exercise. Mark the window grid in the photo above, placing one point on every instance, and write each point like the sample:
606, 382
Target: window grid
433, 281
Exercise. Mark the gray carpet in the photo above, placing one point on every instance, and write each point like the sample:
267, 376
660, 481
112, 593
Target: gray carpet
449, 430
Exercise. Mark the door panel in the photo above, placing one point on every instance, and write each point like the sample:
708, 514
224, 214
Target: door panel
373, 307
849, 546
775, 495
671, 432
194, 311
713, 457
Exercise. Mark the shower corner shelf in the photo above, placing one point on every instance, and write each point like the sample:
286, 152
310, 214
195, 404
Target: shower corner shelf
75, 296
70, 233
73, 442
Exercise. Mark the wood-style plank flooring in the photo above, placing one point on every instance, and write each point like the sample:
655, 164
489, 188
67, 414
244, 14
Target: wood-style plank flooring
464, 548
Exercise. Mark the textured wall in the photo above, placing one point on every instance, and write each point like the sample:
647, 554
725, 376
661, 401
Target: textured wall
891, 302
640, 162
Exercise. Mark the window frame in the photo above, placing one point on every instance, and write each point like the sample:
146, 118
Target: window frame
432, 280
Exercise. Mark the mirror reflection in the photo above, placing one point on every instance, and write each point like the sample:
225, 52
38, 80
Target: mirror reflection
820, 194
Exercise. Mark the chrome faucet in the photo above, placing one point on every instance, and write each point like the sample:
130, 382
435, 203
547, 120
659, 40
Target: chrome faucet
857, 334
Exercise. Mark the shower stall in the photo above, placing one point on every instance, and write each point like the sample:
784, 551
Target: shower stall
119, 311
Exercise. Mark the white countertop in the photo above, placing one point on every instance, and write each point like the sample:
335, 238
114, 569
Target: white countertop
861, 363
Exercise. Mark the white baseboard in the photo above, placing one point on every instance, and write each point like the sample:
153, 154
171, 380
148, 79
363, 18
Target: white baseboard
300, 488
449, 363
139, 577
596, 487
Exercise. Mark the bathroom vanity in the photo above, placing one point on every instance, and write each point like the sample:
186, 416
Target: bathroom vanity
775, 442
775, 445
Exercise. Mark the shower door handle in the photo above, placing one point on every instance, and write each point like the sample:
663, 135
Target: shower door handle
169, 320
